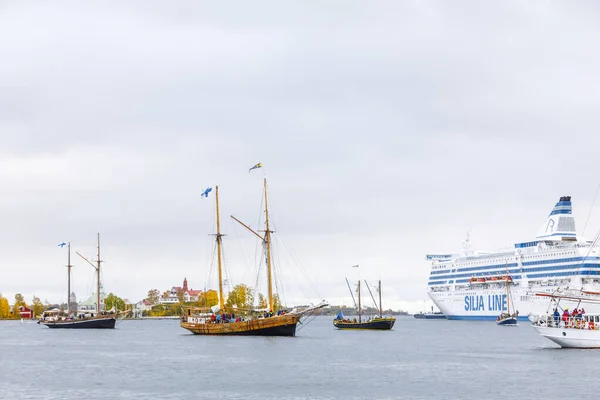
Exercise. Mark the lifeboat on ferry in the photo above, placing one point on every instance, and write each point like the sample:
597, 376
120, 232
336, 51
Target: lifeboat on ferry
473, 279
481, 280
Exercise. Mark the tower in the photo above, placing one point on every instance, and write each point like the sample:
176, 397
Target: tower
185, 287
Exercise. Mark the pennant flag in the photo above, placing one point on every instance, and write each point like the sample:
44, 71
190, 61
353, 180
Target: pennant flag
340, 315
206, 192
259, 165
63, 244
355, 266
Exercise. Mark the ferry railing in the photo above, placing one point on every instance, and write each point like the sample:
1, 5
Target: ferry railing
577, 322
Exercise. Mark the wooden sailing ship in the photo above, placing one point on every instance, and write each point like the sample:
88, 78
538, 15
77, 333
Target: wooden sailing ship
376, 323
201, 321
508, 318
74, 319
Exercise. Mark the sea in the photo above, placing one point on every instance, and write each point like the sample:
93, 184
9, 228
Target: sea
418, 359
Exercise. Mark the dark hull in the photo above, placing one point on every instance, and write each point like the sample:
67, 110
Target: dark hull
289, 330
377, 325
507, 321
430, 316
96, 323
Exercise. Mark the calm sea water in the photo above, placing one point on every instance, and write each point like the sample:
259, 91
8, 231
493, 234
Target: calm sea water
419, 359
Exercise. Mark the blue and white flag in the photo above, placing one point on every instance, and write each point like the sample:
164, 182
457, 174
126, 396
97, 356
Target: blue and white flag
206, 192
63, 244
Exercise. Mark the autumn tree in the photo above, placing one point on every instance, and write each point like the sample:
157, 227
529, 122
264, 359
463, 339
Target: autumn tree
37, 306
114, 301
262, 301
4, 308
208, 299
153, 296
180, 295
241, 296
276, 303
19, 301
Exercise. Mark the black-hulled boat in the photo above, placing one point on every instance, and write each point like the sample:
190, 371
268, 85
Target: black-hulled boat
430, 315
56, 319
378, 323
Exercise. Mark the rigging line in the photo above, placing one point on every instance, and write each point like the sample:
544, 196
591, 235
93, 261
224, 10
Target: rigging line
298, 264
591, 209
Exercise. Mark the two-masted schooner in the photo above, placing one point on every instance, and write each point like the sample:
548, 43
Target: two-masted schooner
74, 319
201, 321
375, 323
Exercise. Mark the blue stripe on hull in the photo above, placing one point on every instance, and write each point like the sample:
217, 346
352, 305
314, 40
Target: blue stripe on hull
479, 317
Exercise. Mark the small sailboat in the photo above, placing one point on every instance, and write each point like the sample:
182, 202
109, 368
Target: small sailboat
246, 322
508, 318
376, 323
100, 319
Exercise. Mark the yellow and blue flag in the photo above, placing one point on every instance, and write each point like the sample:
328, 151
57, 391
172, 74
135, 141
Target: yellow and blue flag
259, 165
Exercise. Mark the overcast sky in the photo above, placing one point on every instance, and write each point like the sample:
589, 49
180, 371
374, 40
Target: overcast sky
387, 129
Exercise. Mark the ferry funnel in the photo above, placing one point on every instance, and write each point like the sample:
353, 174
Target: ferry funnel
560, 224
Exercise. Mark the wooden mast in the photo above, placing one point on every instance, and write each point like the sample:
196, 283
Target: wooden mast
268, 244
380, 306
219, 257
507, 292
69, 279
359, 319
98, 274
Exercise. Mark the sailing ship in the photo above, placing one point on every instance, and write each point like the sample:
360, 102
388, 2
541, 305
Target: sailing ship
376, 323
576, 329
507, 318
73, 319
246, 322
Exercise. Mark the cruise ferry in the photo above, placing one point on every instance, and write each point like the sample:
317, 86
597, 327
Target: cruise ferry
472, 285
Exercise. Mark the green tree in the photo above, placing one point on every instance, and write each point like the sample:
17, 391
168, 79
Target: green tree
4, 308
208, 299
153, 296
19, 301
37, 306
262, 301
241, 296
180, 295
114, 301
276, 303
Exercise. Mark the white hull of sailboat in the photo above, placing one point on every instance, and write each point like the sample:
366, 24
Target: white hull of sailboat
571, 338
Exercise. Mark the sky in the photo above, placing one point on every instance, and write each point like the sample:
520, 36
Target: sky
387, 130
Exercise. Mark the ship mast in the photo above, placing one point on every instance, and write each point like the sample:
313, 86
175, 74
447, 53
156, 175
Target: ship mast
98, 274
268, 245
359, 319
219, 256
69, 279
380, 306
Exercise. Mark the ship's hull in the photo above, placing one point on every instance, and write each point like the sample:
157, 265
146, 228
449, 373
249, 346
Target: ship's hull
512, 321
486, 304
571, 338
379, 324
429, 316
283, 325
91, 323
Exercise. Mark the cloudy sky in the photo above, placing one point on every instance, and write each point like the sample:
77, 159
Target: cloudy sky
388, 130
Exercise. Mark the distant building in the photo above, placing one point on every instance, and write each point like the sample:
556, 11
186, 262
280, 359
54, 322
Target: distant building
141, 307
90, 303
188, 294
73, 301
26, 312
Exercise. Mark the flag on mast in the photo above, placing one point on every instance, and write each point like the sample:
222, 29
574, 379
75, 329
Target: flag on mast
259, 165
206, 192
355, 266
63, 244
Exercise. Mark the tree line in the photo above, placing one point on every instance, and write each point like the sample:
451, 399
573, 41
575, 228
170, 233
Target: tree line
241, 297
8, 312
